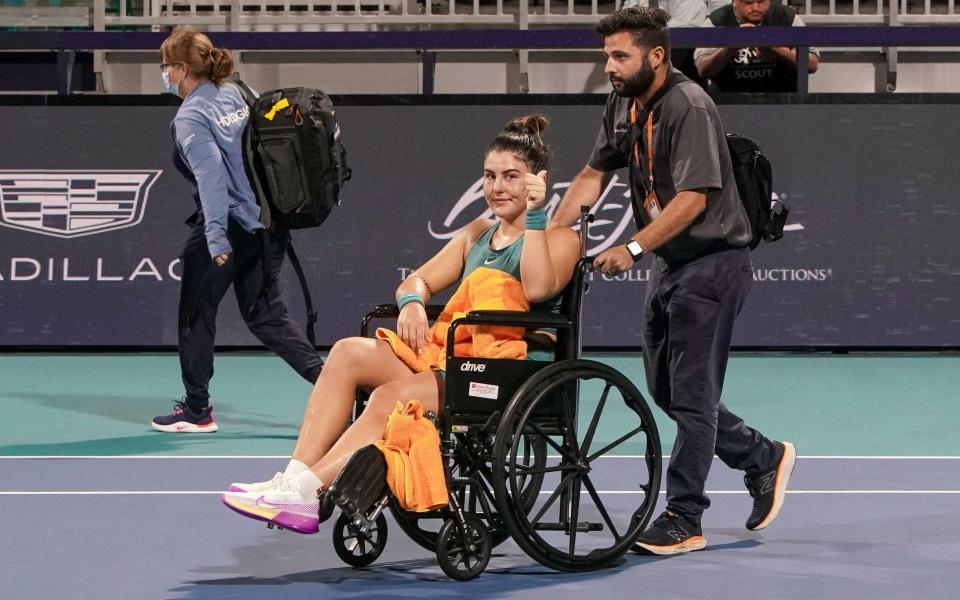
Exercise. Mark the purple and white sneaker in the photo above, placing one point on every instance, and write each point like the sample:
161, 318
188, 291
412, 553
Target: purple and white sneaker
184, 420
256, 488
282, 505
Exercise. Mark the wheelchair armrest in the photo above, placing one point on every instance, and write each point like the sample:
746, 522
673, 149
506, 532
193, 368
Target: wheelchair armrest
390, 311
517, 318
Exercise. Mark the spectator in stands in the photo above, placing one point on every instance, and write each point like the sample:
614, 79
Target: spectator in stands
516, 242
227, 244
752, 70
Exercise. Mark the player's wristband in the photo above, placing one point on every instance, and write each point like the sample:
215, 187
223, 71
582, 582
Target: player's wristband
536, 219
407, 299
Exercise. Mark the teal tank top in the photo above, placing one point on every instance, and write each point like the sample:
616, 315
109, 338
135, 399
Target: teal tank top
482, 255
508, 260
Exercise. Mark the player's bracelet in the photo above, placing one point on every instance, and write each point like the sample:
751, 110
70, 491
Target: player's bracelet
407, 299
425, 284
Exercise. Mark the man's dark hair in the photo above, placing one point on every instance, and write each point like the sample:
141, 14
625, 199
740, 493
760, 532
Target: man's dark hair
648, 26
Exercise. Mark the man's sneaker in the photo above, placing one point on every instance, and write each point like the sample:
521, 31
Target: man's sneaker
184, 420
256, 488
769, 487
670, 534
282, 505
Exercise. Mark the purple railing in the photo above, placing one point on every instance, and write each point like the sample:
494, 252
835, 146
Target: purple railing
66, 43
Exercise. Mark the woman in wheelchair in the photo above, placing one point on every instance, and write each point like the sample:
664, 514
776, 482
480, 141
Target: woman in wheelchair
517, 241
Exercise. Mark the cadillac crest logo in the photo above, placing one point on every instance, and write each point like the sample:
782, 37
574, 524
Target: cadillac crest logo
69, 204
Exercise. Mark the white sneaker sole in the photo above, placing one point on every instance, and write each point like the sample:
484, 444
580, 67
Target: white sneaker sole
185, 428
783, 477
697, 542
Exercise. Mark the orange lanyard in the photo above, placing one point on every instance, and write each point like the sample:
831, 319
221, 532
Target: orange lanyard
636, 145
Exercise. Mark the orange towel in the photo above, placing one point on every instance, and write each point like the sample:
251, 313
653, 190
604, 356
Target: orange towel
484, 289
411, 447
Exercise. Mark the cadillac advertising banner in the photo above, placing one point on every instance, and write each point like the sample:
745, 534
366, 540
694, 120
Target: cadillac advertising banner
92, 222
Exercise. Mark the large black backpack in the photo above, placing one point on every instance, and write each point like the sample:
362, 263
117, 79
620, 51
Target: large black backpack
295, 163
294, 157
754, 178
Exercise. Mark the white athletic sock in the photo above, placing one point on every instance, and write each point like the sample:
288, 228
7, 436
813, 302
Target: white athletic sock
294, 468
307, 484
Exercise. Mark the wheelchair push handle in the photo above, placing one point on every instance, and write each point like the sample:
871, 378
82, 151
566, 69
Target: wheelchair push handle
586, 217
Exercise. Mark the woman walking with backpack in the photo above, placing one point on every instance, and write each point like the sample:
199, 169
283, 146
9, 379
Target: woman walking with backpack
227, 243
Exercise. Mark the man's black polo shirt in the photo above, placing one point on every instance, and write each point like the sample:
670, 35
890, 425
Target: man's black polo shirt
690, 153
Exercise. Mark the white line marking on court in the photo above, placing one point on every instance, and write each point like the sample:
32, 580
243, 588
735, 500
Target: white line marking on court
111, 493
605, 492
146, 457
287, 457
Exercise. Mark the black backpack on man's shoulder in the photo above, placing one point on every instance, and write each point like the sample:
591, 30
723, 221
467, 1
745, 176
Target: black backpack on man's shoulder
754, 177
293, 155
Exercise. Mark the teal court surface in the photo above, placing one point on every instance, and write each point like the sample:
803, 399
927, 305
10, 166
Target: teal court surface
95, 504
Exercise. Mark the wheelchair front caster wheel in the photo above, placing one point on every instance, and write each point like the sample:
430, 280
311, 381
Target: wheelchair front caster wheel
358, 546
464, 554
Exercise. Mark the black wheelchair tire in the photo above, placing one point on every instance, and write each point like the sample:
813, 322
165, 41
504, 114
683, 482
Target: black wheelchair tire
477, 546
521, 406
345, 529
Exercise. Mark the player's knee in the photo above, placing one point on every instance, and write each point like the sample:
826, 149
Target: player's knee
348, 353
382, 401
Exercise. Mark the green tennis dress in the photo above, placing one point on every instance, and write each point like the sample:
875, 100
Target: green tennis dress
507, 259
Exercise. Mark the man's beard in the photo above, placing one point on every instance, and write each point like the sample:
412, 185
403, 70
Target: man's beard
637, 84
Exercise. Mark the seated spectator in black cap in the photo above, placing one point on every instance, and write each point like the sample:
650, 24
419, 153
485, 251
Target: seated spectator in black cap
752, 70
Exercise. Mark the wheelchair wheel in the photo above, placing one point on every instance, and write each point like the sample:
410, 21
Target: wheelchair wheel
464, 554
423, 528
358, 547
584, 411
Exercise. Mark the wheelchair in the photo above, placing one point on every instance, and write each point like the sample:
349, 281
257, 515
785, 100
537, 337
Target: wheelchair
521, 441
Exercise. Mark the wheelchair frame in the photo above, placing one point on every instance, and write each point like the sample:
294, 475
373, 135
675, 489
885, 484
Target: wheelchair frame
482, 438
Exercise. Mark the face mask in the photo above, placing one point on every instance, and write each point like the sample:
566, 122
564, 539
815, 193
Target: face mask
171, 88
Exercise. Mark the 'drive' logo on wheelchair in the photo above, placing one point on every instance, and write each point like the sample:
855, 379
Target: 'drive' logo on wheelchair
475, 388
485, 384
614, 215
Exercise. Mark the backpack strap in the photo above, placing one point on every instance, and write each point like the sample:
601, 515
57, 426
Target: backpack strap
250, 155
307, 301
248, 95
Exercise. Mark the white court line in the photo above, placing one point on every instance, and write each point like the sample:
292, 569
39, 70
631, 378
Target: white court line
287, 457
606, 492
145, 457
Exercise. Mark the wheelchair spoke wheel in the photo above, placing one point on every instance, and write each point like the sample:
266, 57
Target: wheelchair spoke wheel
531, 457
464, 553
600, 481
356, 546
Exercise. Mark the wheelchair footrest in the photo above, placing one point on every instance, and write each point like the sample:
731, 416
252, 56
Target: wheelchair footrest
581, 527
362, 482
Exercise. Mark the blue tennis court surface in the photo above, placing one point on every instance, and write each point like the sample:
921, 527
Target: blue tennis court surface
97, 506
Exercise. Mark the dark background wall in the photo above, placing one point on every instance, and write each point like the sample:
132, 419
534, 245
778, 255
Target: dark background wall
871, 258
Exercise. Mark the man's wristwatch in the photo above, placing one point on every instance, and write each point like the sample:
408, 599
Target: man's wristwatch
635, 250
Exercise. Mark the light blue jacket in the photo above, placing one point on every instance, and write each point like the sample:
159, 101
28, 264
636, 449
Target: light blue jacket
208, 131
